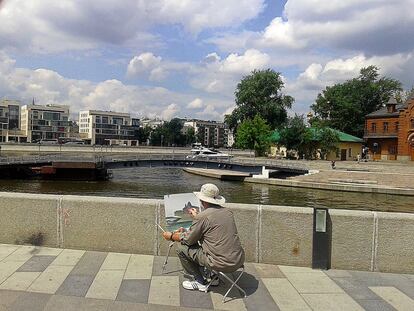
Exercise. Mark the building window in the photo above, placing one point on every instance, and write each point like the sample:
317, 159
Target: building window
105, 120
373, 127
385, 128
392, 150
98, 119
396, 126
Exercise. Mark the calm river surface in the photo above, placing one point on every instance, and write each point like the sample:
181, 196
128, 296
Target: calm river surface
156, 182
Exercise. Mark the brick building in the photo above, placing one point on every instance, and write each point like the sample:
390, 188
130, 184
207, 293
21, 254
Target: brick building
389, 132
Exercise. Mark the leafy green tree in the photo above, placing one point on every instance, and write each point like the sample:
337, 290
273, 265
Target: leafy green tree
344, 106
328, 141
190, 136
142, 134
254, 134
293, 134
260, 94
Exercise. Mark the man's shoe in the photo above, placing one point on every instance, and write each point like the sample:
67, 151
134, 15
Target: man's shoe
194, 285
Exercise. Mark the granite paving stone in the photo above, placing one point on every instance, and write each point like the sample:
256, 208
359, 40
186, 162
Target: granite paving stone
193, 299
20, 280
30, 301
234, 300
76, 285
355, 288
68, 303
8, 268
331, 302
89, 263
46, 251
7, 298
375, 305
134, 291
36, 264
6, 250
23, 253
268, 271
313, 283
139, 267
285, 295
258, 297
164, 290
338, 273
50, 280
116, 261
106, 284
68, 257
173, 267
394, 297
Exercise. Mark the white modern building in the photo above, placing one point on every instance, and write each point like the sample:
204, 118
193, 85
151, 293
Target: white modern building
108, 128
209, 133
40, 122
10, 121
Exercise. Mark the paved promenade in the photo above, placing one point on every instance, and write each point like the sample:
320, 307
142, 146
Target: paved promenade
39, 278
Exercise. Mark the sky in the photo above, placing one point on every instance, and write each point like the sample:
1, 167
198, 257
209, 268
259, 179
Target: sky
184, 58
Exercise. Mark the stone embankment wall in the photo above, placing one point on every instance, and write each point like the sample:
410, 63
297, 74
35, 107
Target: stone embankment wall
361, 240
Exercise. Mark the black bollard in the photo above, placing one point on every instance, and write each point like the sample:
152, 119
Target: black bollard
321, 250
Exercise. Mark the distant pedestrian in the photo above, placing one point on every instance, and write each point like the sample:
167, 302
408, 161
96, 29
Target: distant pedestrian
333, 164
358, 157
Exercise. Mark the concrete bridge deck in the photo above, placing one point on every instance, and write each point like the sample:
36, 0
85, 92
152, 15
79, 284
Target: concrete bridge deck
40, 278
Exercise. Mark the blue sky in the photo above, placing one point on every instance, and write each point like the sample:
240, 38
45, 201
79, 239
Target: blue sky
167, 58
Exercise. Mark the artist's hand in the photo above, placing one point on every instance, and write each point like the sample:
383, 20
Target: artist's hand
167, 235
193, 212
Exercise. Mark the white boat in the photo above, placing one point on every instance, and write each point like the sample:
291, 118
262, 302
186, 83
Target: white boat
207, 153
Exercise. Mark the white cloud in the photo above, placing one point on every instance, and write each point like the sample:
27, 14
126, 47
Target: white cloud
195, 104
56, 26
243, 64
49, 87
143, 63
170, 111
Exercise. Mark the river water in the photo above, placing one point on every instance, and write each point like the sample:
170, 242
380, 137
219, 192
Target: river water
156, 182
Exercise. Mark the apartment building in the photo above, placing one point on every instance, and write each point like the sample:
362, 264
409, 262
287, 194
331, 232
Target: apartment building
45, 122
209, 133
10, 120
108, 128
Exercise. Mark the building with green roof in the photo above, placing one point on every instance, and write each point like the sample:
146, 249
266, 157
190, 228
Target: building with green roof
349, 146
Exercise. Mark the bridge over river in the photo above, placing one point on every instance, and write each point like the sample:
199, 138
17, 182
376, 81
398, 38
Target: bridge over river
96, 167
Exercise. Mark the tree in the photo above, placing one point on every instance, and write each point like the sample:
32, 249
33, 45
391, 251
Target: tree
142, 134
344, 106
254, 134
328, 141
260, 94
292, 135
190, 136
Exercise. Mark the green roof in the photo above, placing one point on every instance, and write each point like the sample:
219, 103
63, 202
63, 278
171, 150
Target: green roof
343, 137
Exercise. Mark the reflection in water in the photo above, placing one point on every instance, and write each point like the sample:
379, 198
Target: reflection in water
156, 182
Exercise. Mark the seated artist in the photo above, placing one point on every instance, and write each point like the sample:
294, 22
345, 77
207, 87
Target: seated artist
212, 240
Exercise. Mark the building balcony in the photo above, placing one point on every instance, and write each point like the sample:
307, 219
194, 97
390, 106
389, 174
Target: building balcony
381, 134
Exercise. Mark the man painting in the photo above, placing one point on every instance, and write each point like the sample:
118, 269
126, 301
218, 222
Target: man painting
212, 240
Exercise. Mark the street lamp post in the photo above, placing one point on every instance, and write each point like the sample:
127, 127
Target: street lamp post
162, 138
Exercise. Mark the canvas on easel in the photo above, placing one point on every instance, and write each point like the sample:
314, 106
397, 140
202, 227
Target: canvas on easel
177, 207
177, 214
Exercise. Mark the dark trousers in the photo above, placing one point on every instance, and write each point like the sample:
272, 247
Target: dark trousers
192, 259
